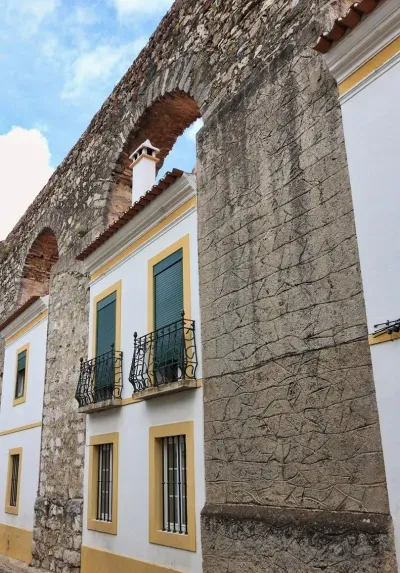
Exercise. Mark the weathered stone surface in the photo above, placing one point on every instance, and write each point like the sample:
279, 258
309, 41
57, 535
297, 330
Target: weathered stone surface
289, 399
57, 534
268, 540
58, 509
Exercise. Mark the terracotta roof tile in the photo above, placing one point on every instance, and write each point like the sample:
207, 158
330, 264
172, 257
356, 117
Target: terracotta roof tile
152, 194
344, 23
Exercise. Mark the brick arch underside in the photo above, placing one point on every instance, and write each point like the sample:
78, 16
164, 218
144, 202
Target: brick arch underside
162, 123
41, 257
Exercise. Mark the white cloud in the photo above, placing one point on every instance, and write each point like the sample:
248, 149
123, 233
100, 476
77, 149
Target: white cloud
191, 131
138, 7
29, 13
94, 69
25, 169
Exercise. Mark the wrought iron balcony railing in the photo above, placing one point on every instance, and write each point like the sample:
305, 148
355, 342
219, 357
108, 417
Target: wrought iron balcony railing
164, 356
100, 379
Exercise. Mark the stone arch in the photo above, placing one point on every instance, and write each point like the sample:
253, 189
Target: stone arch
162, 123
42, 255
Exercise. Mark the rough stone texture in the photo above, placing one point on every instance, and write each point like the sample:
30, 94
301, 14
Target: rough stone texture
59, 506
10, 565
289, 400
270, 540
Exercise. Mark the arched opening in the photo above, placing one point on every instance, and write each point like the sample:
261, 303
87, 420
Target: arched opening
39, 261
162, 124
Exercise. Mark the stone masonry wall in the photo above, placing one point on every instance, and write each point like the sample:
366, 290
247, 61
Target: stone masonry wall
58, 509
290, 412
291, 421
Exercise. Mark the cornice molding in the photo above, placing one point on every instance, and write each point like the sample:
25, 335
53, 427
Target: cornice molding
361, 85
24, 319
171, 199
372, 34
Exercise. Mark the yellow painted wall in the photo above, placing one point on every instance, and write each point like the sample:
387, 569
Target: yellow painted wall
16, 542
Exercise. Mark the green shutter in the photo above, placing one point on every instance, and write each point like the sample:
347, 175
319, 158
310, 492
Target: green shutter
168, 290
22, 361
106, 324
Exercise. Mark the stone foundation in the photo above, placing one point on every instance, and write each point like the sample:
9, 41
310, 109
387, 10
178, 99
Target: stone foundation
57, 536
252, 539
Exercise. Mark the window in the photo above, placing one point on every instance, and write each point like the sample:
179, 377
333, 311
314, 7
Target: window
168, 290
169, 295
106, 340
169, 285
168, 306
106, 323
21, 375
13, 481
103, 483
174, 484
171, 487
107, 320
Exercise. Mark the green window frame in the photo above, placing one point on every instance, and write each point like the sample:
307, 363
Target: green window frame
168, 290
106, 323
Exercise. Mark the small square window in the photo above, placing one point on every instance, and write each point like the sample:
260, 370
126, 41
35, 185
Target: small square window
103, 483
13, 481
172, 492
21, 376
174, 484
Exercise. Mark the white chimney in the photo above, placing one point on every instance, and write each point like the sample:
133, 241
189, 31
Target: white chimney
144, 161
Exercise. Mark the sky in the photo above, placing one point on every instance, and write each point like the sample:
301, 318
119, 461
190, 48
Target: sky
59, 60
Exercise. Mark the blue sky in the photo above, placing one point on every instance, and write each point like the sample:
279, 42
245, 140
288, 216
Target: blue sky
59, 60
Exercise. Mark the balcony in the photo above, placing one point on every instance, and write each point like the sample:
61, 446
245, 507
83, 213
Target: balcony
100, 382
165, 361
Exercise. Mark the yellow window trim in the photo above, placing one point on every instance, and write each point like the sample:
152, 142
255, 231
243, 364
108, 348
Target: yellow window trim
183, 244
156, 535
93, 523
17, 401
10, 508
116, 287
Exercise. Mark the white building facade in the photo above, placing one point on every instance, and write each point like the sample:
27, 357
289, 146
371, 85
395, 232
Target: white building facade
366, 65
25, 337
142, 393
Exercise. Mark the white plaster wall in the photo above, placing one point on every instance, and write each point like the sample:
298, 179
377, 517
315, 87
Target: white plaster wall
30, 411
30, 442
15, 416
133, 421
133, 274
371, 121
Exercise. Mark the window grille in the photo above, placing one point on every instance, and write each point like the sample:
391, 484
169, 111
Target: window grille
105, 484
174, 484
21, 372
14, 480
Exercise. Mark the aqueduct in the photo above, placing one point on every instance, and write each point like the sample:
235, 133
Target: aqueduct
294, 468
